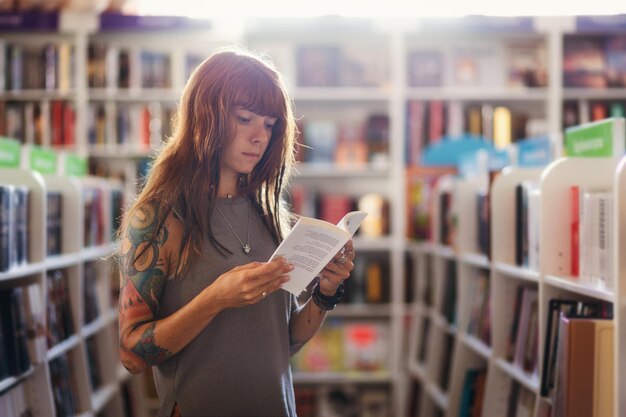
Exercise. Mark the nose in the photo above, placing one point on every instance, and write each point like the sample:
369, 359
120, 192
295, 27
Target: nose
261, 134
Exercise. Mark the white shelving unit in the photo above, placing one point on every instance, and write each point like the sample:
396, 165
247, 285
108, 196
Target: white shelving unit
72, 260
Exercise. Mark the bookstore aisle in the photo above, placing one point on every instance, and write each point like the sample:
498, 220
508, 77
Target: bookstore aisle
486, 151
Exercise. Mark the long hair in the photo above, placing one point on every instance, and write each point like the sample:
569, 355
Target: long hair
185, 175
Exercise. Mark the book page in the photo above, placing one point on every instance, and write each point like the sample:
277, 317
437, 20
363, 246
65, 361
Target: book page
311, 244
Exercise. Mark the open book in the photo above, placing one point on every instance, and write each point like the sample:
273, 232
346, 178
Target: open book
311, 244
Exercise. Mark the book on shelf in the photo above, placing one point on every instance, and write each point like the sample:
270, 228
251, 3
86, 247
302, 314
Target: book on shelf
444, 376
584, 63
477, 64
425, 68
14, 226
318, 65
311, 244
615, 51
572, 309
472, 392
64, 386
369, 281
35, 322
526, 63
59, 319
352, 147
363, 66
376, 224
54, 223
585, 367
14, 329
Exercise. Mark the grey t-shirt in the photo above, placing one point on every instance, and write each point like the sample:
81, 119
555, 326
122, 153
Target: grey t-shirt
239, 364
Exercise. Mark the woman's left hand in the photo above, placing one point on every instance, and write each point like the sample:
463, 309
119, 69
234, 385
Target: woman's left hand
337, 270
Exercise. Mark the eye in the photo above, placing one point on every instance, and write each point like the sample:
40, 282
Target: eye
269, 126
243, 120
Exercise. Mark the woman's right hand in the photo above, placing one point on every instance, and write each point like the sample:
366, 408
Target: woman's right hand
250, 283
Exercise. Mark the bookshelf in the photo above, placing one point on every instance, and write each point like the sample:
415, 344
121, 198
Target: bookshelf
60, 284
518, 288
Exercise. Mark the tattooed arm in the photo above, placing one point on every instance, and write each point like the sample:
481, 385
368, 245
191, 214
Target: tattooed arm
148, 258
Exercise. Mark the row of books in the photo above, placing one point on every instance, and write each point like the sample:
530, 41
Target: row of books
516, 63
45, 123
36, 67
98, 204
346, 346
345, 143
429, 121
370, 280
597, 110
90, 292
424, 355
14, 210
473, 392
343, 401
15, 402
527, 224
115, 66
64, 386
121, 67
145, 125
479, 323
333, 65
59, 310
94, 364
578, 363
14, 348
592, 236
333, 206
594, 61
522, 344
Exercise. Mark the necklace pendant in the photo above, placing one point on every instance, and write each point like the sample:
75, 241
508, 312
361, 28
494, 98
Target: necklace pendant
246, 248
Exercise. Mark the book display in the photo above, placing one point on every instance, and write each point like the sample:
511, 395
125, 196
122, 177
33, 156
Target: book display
534, 320
502, 265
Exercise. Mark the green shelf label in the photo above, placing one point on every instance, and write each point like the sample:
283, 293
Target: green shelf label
75, 165
43, 160
10, 153
590, 140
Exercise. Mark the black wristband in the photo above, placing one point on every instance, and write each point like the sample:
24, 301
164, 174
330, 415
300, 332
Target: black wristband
325, 302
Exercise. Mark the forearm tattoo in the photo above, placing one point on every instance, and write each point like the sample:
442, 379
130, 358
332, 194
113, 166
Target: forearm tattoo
147, 348
143, 277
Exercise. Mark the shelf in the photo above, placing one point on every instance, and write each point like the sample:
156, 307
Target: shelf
417, 371
441, 322
341, 377
530, 381
475, 259
439, 397
95, 326
22, 271
444, 251
95, 252
594, 93
477, 94
115, 151
418, 247
10, 382
139, 95
62, 347
573, 285
341, 94
101, 397
516, 271
330, 170
62, 261
35, 95
477, 345
362, 310
361, 243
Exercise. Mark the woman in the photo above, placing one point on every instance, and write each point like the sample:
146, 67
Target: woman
198, 300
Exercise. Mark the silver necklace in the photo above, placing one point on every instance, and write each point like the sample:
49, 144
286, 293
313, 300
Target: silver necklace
244, 246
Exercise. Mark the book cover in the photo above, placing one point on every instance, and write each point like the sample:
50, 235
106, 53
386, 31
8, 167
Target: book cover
526, 63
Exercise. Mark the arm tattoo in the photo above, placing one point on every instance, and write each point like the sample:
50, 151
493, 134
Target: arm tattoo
142, 259
147, 348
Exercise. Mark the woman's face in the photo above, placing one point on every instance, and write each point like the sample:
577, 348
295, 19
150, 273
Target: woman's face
252, 134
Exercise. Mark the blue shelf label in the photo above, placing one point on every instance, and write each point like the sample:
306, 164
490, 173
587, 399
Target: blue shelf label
534, 152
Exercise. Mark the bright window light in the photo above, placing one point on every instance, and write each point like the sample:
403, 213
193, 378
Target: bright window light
389, 8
